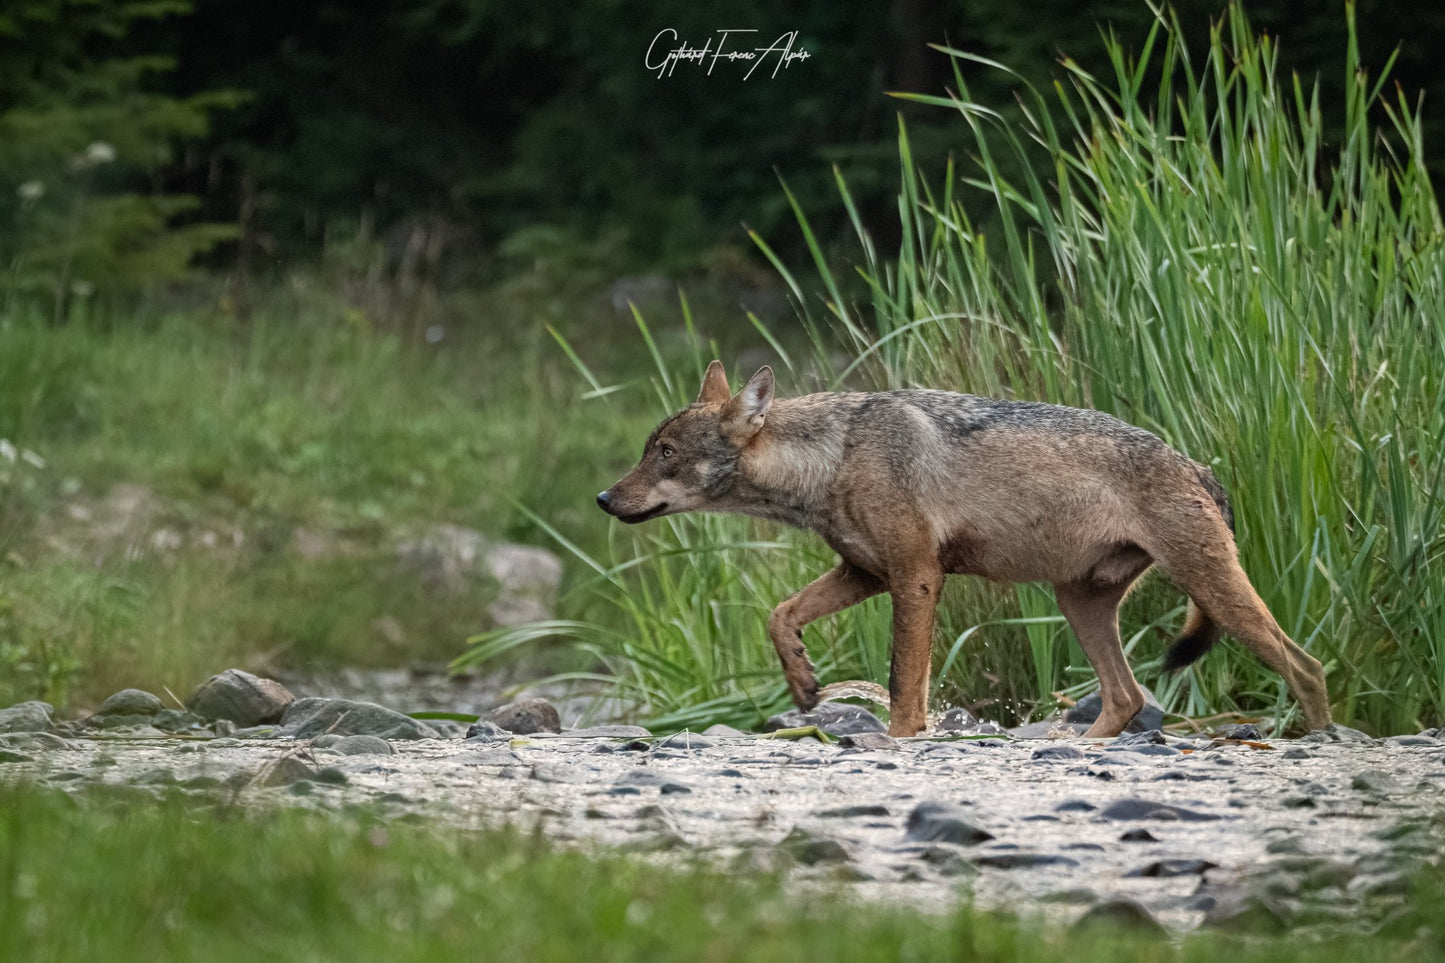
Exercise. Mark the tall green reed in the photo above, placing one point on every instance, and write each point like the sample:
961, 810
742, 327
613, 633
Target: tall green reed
1208, 261
1186, 245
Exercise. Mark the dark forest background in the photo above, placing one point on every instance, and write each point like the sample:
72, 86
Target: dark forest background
451, 138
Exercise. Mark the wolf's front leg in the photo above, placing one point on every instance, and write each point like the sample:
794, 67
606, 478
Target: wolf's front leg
915, 601
839, 588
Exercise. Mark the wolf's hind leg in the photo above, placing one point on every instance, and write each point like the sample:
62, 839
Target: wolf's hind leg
1093, 613
1201, 559
834, 591
1226, 595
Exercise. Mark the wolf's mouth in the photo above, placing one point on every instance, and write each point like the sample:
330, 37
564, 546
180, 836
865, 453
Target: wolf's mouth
652, 512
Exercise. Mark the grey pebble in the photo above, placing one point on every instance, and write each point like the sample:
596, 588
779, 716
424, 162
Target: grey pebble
853, 812
944, 822
484, 731
1023, 860
686, 740
608, 732
286, 770
526, 716
496, 756
1165, 868
1079, 894
1056, 751
1410, 741
1131, 809
810, 849
1245, 912
1120, 914
1375, 781
1075, 806
1144, 749
360, 746
1335, 732
869, 741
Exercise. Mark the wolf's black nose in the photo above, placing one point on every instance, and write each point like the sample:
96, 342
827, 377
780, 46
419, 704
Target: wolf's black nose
603, 500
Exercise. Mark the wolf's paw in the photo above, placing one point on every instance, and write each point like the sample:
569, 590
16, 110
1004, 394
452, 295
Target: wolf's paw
804, 692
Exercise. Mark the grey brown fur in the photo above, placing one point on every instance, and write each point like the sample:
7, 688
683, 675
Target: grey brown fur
909, 486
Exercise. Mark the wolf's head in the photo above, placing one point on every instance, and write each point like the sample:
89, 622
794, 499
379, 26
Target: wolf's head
690, 461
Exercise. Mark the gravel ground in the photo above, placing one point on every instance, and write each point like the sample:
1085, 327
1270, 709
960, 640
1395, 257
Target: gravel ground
1319, 832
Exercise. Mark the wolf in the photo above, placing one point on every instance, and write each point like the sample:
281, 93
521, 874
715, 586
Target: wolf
910, 486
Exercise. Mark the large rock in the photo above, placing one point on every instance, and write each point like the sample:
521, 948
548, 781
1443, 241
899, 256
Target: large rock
130, 702
443, 557
834, 718
308, 718
526, 716
448, 559
27, 717
1087, 709
527, 582
240, 697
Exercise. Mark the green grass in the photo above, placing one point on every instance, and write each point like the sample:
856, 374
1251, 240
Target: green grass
313, 422
1204, 261
93, 877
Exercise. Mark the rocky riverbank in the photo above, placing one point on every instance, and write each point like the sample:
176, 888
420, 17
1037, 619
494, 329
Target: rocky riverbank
1151, 829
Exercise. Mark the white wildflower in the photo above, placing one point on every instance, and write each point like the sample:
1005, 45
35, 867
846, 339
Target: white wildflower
8, 452
99, 152
31, 191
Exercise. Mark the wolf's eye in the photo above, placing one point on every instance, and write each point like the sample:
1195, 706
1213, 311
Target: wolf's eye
666, 451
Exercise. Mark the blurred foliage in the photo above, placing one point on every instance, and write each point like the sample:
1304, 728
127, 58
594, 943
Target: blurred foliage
416, 137
86, 129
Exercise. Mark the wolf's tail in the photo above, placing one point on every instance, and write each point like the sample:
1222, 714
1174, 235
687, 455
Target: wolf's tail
1200, 632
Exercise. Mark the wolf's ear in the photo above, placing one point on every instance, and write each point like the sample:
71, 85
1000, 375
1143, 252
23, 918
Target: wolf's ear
714, 385
744, 413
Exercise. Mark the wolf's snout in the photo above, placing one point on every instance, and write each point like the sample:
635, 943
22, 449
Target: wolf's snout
604, 501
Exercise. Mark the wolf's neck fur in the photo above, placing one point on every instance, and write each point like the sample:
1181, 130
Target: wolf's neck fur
788, 469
